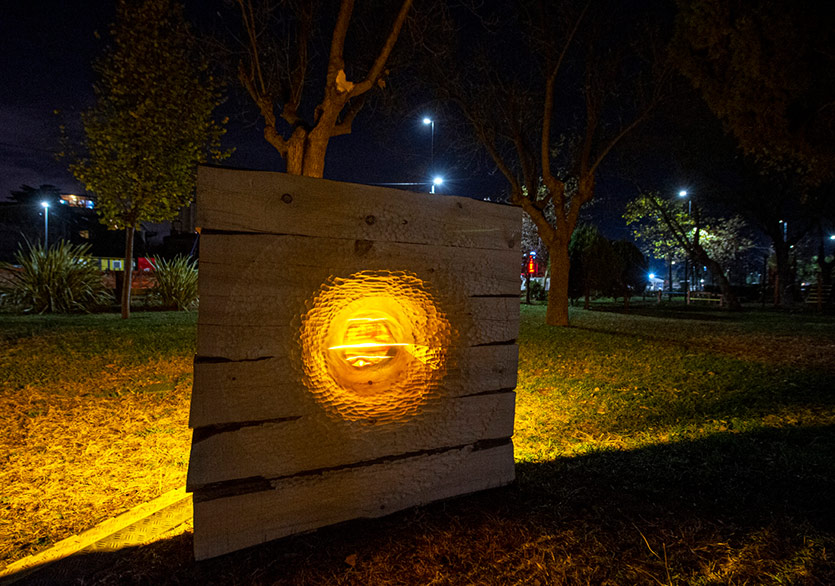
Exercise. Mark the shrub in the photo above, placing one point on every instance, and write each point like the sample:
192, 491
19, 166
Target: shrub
176, 283
60, 279
538, 292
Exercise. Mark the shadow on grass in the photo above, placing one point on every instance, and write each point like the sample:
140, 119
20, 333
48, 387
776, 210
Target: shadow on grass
731, 508
670, 311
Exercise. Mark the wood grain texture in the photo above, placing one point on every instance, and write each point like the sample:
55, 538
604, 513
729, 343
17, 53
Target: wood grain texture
313, 442
227, 392
256, 201
267, 264
308, 502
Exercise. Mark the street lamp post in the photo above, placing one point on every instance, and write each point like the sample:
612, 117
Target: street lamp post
45, 205
431, 123
436, 181
670, 262
683, 193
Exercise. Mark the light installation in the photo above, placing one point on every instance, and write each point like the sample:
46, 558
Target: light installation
374, 346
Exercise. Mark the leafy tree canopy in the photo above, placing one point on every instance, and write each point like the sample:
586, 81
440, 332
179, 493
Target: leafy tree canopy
152, 121
765, 69
653, 234
151, 124
660, 222
665, 229
631, 270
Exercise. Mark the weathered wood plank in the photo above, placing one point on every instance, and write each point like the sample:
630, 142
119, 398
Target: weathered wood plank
267, 264
226, 392
281, 309
315, 442
246, 328
306, 503
255, 201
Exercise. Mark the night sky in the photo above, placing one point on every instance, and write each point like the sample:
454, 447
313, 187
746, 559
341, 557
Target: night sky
47, 50
47, 47
45, 54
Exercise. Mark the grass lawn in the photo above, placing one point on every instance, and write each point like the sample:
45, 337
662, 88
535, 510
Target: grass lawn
94, 413
671, 445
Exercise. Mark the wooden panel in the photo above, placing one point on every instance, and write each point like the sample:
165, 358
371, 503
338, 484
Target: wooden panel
305, 503
224, 331
226, 392
273, 449
266, 264
254, 201
267, 459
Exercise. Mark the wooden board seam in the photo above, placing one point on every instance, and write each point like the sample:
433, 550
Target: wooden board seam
222, 360
499, 343
482, 393
204, 432
260, 483
219, 232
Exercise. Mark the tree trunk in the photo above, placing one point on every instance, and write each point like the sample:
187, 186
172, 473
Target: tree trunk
784, 292
305, 155
314, 158
127, 274
527, 285
296, 146
557, 313
719, 277
825, 267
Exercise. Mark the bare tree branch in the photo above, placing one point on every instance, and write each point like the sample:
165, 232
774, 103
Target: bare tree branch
336, 62
548, 109
379, 64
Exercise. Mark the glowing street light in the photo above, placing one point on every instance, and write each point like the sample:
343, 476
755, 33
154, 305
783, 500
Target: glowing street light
436, 181
45, 205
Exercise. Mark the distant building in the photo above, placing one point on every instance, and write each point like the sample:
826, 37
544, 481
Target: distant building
78, 201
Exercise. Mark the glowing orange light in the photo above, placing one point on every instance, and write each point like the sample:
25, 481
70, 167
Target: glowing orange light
367, 341
374, 345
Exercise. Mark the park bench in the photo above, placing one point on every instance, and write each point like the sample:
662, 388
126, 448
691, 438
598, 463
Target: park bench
705, 296
819, 295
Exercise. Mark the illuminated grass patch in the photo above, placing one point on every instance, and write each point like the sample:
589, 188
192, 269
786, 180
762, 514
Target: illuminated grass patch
684, 447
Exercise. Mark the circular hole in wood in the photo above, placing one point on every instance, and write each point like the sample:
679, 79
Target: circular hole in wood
374, 345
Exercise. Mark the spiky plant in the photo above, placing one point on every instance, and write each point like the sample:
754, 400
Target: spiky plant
59, 279
176, 283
